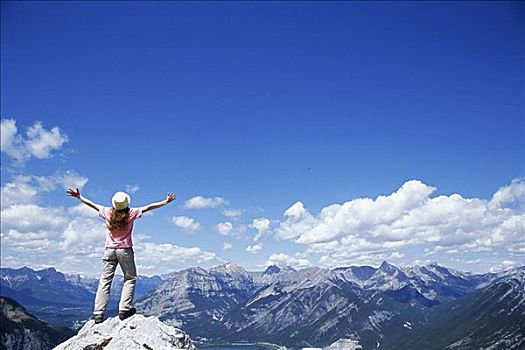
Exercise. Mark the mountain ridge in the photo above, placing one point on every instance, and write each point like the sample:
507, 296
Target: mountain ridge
362, 303
378, 307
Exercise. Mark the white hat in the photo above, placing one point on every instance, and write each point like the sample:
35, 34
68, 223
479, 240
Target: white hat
120, 200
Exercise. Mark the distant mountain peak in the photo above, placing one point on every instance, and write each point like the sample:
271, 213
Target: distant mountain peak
385, 263
51, 269
50, 273
272, 269
441, 271
22, 270
229, 267
517, 274
230, 264
226, 265
387, 267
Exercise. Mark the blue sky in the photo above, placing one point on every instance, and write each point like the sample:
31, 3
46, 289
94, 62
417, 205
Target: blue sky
263, 106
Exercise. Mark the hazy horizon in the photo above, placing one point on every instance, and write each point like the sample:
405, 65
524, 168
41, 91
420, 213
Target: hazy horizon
118, 272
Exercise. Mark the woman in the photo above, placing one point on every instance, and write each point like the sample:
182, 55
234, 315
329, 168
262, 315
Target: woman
119, 249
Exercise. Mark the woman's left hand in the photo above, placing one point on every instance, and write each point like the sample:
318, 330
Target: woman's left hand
73, 193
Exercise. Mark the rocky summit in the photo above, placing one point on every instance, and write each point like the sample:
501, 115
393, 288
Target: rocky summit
136, 332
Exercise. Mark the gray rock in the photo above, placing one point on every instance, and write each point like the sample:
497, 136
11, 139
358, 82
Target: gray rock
20, 330
136, 332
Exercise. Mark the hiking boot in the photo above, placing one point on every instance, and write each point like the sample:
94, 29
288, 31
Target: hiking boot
125, 314
98, 318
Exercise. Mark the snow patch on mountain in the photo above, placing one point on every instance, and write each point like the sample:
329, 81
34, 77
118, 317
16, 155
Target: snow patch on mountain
376, 318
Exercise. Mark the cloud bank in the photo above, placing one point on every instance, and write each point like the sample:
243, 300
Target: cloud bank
366, 228
37, 142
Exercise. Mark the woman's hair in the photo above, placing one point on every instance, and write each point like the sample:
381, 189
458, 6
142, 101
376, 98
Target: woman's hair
118, 219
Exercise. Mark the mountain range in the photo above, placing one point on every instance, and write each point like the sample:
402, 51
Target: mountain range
420, 307
383, 307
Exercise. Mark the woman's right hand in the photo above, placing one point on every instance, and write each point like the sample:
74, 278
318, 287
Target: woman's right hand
170, 197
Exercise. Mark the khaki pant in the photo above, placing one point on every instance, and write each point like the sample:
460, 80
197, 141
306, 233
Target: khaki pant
113, 257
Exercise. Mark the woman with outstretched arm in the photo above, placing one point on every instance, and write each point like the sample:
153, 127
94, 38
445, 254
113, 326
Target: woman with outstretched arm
119, 220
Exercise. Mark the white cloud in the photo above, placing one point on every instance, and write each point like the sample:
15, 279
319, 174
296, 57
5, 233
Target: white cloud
517, 249
186, 223
132, 188
396, 255
200, 202
282, 259
71, 179
80, 247
26, 241
254, 249
422, 262
366, 228
10, 142
227, 246
38, 143
227, 228
262, 225
233, 213
224, 228
32, 218
509, 264
18, 191
298, 222
162, 258
472, 261
40, 236
83, 233
513, 194
82, 210
61, 179
24, 189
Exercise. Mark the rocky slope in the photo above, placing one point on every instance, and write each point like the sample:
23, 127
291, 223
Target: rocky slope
21, 331
492, 317
136, 332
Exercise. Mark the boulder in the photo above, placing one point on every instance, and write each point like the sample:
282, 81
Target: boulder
136, 332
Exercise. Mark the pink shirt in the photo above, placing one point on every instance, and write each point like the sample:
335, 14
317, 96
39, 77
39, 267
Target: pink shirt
119, 238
